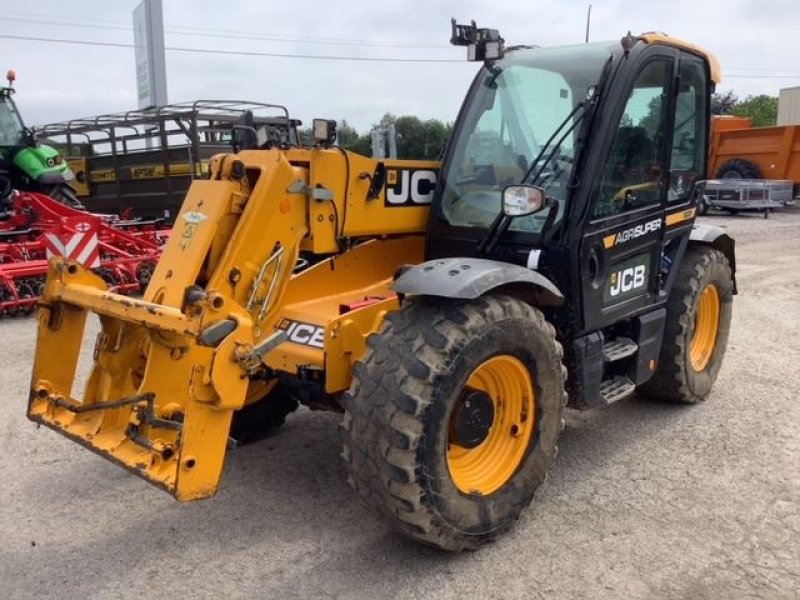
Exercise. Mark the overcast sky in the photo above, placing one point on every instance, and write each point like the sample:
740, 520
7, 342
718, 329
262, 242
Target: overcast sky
756, 41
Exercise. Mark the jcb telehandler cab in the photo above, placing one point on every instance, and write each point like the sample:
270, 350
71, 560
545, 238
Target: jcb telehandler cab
450, 311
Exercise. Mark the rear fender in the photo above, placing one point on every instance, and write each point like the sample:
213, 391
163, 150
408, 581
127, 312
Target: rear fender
710, 235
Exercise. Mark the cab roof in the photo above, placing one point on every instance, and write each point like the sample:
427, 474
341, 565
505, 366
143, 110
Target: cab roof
653, 37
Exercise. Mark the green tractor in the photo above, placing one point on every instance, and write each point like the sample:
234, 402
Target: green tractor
29, 165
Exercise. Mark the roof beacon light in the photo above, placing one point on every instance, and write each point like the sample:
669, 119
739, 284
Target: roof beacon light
11, 76
482, 44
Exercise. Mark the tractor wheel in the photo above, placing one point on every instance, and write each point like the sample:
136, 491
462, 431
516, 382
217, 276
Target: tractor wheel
739, 168
696, 330
64, 194
452, 418
257, 420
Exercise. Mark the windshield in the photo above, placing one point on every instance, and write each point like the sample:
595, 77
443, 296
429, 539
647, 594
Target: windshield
520, 103
11, 128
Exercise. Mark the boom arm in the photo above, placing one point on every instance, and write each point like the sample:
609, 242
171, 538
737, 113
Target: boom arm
225, 313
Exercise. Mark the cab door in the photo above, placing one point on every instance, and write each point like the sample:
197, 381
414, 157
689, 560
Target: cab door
621, 249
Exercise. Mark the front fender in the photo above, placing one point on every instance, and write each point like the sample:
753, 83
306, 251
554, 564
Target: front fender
42, 164
469, 278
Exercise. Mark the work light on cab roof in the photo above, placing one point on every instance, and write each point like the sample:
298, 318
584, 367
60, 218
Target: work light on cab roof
482, 43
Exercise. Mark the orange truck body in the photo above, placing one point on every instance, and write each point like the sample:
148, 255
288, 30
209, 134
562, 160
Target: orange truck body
776, 150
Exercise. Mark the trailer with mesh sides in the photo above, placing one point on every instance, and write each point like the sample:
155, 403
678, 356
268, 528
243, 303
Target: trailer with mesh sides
140, 163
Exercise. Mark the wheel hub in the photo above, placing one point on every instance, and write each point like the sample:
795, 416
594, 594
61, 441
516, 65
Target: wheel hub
473, 419
491, 425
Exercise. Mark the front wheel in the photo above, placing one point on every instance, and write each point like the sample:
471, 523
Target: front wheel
63, 193
696, 330
452, 419
257, 420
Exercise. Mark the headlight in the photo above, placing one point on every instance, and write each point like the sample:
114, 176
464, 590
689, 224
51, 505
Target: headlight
69, 175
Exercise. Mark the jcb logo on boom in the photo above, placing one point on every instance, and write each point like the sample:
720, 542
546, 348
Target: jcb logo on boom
304, 333
410, 187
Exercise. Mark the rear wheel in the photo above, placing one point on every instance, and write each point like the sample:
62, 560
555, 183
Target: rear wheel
739, 168
452, 418
696, 329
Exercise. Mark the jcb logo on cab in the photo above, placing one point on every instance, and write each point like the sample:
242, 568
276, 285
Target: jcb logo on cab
627, 280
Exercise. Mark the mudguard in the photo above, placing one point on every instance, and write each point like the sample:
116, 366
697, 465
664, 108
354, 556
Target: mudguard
470, 278
716, 237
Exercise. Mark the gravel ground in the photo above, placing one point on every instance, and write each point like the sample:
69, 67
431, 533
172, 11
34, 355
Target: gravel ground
644, 500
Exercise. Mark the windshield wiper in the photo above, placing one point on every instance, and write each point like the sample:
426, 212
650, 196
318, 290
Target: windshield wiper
501, 222
558, 144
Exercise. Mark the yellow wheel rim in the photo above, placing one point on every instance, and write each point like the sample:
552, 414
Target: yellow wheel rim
706, 326
485, 468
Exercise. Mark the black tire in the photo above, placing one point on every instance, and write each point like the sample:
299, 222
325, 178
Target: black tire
702, 206
397, 415
739, 168
676, 380
256, 421
64, 194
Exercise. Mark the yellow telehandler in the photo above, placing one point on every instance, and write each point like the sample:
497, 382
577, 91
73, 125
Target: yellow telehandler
451, 311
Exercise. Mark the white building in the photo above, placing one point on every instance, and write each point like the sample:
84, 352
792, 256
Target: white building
789, 106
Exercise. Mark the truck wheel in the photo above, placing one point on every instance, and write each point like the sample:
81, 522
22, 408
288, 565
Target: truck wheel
739, 168
696, 330
452, 418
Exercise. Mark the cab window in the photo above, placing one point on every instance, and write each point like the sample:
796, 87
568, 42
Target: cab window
635, 165
688, 162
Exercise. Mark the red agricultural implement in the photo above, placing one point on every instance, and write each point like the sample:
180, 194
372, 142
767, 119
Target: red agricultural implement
34, 227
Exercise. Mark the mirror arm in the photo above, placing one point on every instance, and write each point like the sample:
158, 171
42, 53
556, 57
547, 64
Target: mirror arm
495, 230
551, 217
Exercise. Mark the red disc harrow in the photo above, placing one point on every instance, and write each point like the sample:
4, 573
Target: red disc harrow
36, 227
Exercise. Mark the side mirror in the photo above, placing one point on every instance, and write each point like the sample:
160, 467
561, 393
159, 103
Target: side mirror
523, 200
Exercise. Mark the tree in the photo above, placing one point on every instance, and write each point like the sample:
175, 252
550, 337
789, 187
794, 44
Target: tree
416, 139
349, 139
423, 140
723, 104
306, 136
762, 109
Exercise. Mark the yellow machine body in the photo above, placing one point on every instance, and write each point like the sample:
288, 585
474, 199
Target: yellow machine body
225, 311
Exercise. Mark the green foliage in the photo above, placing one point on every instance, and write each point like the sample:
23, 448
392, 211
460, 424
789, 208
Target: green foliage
421, 139
762, 109
651, 122
723, 103
349, 139
416, 139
